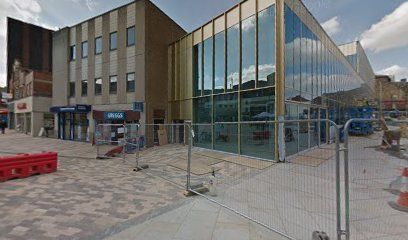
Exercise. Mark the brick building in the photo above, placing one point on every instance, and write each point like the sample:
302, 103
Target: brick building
29, 76
392, 95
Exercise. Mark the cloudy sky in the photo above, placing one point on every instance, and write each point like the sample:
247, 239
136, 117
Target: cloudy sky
380, 25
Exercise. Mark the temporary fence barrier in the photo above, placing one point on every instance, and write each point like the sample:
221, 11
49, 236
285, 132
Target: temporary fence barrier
110, 140
26, 165
375, 183
237, 162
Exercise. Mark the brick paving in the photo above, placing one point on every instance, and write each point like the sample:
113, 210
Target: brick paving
84, 199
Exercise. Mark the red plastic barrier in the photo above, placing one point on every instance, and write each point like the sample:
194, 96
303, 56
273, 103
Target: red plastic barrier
26, 165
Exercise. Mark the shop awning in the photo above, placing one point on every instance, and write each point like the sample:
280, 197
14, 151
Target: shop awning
76, 108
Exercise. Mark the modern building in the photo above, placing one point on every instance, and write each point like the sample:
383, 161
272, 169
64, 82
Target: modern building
356, 55
29, 77
261, 60
112, 68
392, 95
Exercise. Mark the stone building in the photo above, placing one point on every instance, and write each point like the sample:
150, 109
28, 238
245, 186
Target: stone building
112, 68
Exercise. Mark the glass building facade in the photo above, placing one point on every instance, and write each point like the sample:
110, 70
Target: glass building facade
233, 83
226, 73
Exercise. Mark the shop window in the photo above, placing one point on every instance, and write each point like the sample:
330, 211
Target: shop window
72, 89
257, 139
72, 53
113, 41
113, 84
226, 110
84, 49
98, 86
130, 82
98, 45
130, 36
202, 116
84, 88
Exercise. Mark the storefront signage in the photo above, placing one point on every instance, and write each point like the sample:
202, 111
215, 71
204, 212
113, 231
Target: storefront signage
21, 106
138, 106
5, 95
76, 108
114, 115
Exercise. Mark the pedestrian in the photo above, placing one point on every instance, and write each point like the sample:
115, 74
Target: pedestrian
2, 126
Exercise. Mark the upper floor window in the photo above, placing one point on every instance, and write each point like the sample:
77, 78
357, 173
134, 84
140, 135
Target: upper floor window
130, 82
84, 87
98, 45
72, 53
130, 36
84, 49
98, 86
72, 89
113, 84
113, 43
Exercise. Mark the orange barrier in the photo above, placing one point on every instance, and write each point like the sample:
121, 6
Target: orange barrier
402, 201
26, 165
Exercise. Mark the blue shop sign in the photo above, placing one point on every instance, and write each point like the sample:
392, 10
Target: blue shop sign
138, 107
114, 115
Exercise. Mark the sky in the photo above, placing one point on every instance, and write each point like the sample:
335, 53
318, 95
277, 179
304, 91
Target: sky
380, 25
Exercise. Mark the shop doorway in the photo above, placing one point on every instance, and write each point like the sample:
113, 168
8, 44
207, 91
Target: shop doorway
156, 122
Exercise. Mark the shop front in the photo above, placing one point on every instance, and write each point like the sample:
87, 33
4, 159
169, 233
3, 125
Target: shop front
73, 122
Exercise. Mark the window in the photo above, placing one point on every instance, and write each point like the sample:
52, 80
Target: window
72, 53
98, 45
72, 89
248, 50
84, 49
197, 69
233, 57
266, 47
113, 84
130, 82
98, 86
84, 87
113, 44
219, 62
130, 36
208, 66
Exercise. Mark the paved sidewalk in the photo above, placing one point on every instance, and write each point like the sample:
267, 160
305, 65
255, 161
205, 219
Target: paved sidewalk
200, 219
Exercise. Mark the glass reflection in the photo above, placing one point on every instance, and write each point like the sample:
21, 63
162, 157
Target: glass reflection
226, 110
248, 27
208, 66
233, 57
197, 70
219, 62
266, 47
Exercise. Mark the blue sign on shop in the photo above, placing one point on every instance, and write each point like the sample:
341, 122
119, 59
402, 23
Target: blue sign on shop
138, 107
114, 115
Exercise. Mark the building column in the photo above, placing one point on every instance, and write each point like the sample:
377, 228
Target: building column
280, 81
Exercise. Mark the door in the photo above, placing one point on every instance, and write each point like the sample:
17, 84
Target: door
156, 123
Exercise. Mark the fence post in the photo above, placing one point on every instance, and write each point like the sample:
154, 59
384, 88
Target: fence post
338, 198
191, 135
346, 178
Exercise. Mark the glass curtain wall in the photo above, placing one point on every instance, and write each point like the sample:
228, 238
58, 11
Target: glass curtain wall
230, 90
317, 85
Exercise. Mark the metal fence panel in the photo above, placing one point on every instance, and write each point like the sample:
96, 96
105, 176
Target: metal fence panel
294, 198
373, 169
110, 140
